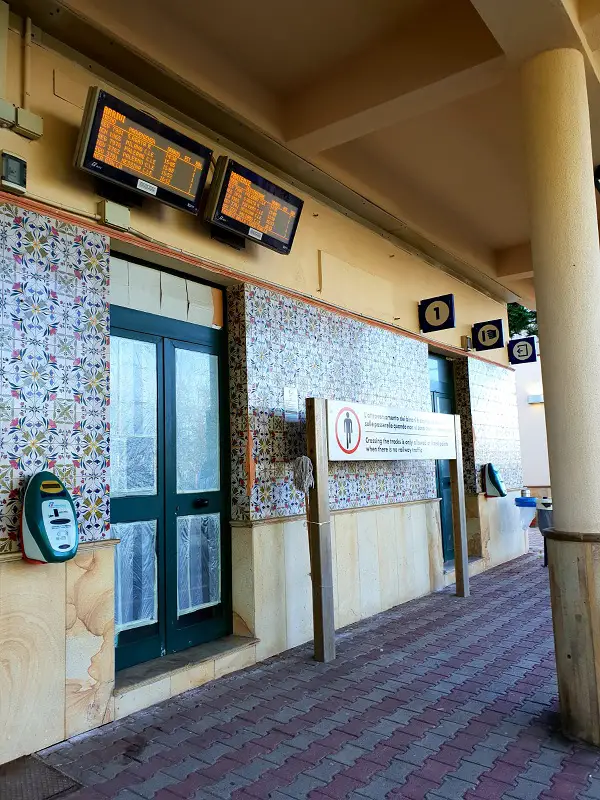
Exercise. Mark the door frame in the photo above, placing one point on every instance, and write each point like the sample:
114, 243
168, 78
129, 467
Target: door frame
139, 324
437, 388
140, 643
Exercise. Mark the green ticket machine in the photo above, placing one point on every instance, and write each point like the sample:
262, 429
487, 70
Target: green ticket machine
49, 523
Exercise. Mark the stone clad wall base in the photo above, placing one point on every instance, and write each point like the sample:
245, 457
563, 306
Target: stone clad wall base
57, 649
381, 557
574, 569
494, 529
57, 665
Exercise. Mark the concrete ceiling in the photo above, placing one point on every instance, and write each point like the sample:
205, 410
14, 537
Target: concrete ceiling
285, 46
411, 105
466, 157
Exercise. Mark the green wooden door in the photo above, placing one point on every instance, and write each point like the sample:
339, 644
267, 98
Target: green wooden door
169, 485
441, 382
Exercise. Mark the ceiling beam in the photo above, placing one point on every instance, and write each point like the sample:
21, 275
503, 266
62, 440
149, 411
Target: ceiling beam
588, 9
525, 291
515, 262
421, 100
591, 28
165, 43
524, 29
589, 19
127, 69
439, 55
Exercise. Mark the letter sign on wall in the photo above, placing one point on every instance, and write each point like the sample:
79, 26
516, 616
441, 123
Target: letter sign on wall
437, 313
357, 432
522, 351
488, 335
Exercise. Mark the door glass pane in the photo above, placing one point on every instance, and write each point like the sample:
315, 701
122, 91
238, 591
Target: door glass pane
444, 404
133, 420
198, 562
197, 410
135, 574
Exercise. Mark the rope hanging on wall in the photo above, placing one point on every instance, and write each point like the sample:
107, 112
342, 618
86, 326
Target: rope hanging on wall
303, 474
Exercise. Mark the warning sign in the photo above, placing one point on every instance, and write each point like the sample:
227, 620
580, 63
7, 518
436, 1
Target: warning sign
348, 431
358, 432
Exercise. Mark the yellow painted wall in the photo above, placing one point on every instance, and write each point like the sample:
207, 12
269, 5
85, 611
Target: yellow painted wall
380, 280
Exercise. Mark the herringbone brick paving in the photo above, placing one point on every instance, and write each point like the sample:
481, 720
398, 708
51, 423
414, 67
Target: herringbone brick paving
439, 698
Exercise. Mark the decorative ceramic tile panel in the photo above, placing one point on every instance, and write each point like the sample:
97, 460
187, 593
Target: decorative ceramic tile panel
278, 342
487, 402
463, 408
53, 365
238, 401
495, 420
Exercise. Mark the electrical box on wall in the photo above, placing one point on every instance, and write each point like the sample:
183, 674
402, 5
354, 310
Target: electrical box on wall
49, 521
8, 114
114, 214
13, 173
28, 124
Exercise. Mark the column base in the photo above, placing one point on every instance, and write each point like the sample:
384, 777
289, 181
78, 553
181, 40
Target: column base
574, 572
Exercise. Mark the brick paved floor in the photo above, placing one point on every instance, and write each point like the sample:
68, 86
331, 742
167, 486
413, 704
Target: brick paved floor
439, 698
536, 541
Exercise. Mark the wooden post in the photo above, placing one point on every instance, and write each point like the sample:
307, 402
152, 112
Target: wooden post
319, 531
459, 517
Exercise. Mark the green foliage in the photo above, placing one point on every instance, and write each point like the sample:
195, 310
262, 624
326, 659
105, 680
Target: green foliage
522, 321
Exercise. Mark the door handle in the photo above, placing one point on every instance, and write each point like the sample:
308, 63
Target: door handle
202, 502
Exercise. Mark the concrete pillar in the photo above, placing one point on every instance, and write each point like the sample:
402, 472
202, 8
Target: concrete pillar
566, 260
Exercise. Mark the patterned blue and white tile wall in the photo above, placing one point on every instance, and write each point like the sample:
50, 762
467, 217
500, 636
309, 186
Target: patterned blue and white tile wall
53, 365
278, 342
486, 398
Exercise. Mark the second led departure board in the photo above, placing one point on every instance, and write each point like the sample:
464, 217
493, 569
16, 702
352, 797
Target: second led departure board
248, 204
129, 147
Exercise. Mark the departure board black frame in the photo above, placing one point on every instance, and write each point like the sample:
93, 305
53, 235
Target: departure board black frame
97, 101
218, 190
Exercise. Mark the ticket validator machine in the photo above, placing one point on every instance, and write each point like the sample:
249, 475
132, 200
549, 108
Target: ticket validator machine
49, 523
493, 485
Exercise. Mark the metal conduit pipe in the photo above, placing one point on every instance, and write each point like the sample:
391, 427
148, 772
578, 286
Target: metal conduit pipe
4, 14
26, 84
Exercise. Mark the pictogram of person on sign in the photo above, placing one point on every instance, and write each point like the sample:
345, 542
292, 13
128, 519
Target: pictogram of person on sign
348, 430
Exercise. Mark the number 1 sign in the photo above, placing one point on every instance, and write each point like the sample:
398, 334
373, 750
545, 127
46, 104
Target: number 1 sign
437, 313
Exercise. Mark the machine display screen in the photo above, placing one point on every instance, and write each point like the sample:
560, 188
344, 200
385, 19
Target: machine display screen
129, 147
252, 206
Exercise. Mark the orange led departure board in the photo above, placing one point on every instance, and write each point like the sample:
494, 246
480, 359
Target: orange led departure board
129, 147
258, 209
124, 145
248, 204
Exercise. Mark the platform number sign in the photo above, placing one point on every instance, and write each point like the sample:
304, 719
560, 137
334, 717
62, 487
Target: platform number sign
437, 313
522, 351
488, 335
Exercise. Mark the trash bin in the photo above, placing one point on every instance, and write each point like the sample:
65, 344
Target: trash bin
527, 507
545, 517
